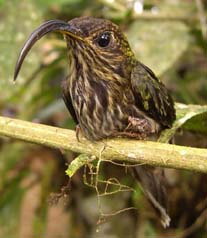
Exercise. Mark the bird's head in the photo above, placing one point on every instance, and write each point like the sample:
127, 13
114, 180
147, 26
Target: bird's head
97, 41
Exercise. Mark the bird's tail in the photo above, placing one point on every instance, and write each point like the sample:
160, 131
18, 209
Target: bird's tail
153, 184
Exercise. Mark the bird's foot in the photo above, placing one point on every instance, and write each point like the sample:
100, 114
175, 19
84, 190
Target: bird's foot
139, 126
78, 132
128, 134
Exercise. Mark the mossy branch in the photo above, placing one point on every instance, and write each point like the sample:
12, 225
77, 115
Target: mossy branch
126, 150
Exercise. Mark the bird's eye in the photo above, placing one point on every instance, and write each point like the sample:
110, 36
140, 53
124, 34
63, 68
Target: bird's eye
104, 39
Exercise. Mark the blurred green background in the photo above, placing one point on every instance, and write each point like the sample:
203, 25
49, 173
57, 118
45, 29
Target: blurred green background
168, 36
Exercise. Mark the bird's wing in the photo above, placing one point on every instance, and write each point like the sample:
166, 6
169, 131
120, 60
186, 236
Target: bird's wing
151, 96
67, 99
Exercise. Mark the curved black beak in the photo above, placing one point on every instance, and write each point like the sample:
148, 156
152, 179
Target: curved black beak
49, 26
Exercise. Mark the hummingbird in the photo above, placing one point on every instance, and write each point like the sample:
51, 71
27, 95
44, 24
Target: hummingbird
109, 93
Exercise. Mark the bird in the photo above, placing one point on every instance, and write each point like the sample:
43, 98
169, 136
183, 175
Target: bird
109, 93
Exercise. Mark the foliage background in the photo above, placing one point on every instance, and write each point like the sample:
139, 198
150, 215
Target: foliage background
168, 37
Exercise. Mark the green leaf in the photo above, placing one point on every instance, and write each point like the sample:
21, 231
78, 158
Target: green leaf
77, 163
191, 117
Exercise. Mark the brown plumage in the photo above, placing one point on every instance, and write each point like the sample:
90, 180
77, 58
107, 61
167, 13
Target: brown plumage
109, 93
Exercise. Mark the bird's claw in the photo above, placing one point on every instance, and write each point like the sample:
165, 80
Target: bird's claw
140, 126
77, 132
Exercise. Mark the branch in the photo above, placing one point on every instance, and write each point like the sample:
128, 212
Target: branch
126, 150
